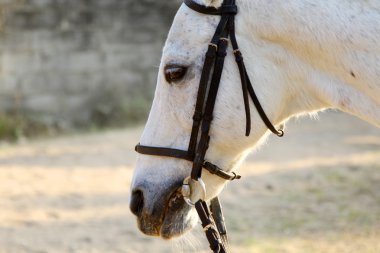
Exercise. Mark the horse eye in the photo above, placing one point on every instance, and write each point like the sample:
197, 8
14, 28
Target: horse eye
174, 73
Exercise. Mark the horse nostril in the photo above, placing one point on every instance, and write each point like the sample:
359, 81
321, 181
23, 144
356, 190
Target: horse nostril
137, 202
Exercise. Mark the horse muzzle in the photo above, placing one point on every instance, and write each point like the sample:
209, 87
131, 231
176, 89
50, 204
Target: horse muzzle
157, 208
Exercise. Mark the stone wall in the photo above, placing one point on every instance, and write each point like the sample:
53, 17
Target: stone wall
69, 63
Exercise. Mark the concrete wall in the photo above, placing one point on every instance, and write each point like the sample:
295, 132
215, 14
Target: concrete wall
72, 63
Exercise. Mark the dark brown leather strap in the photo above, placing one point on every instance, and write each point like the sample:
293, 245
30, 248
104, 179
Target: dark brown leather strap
215, 170
196, 171
203, 85
209, 227
217, 214
224, 9
158, 151
248, 88
260, 110
181, 154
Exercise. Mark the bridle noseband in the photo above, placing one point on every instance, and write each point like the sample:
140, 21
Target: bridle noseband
212, 220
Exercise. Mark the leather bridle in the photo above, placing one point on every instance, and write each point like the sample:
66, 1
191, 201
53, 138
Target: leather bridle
212, 219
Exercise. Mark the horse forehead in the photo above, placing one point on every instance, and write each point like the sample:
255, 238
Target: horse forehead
189, 31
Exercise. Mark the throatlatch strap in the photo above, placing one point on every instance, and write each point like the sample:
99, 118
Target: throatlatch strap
260, 110
248, 88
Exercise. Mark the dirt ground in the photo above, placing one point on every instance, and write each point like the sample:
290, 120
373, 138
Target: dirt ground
318, 193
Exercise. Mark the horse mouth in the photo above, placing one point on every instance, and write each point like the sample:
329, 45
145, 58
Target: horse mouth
175, 219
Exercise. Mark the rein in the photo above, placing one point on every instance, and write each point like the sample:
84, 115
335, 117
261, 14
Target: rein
212, 218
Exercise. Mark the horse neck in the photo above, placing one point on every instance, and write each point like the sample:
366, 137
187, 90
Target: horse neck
316, 56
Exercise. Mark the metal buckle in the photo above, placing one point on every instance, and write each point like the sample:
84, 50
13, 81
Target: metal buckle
208, 227
213, 45
187, 192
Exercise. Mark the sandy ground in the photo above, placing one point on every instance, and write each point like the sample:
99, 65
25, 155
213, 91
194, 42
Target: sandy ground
320, 192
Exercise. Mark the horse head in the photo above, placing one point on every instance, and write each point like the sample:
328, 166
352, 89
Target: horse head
290, 74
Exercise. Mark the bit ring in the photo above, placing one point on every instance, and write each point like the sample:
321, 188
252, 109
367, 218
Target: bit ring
187, 189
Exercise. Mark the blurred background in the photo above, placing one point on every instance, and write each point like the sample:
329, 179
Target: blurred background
78, 64
77, 79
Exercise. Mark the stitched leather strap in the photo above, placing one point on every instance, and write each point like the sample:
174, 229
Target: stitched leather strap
203, 85
196, 171
209, 227
217, 214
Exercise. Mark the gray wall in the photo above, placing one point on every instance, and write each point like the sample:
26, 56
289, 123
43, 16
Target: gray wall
69, 63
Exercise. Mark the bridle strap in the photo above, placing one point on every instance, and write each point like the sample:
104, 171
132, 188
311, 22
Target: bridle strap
203, 85
181, 154
217, 214
167, 152
210, 228
231, 9
226, 9
204, 139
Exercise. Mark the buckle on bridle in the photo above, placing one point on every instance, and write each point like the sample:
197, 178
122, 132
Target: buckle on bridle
213, 45
188, 190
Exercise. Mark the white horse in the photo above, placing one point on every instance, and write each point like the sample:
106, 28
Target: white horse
302, 56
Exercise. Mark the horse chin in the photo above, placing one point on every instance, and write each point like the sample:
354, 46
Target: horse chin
178, 218
170, 231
